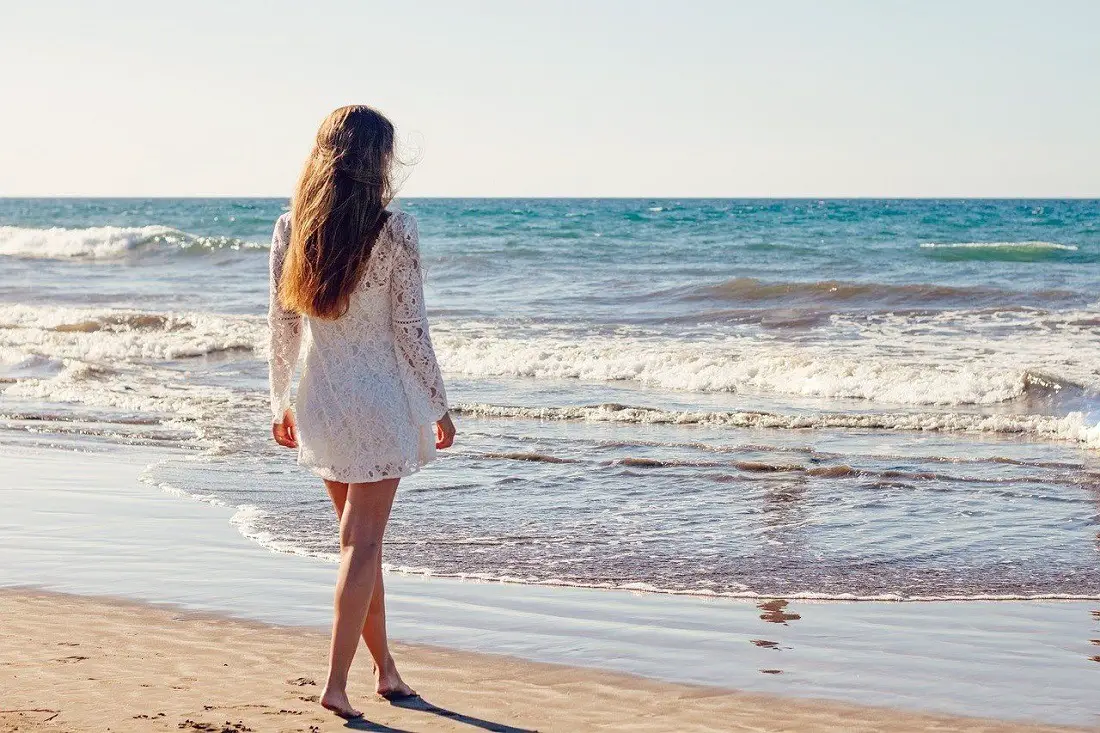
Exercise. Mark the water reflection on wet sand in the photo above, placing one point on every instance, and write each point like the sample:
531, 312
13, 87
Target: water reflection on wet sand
775, 612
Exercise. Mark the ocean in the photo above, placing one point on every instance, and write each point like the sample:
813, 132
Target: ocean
849, 399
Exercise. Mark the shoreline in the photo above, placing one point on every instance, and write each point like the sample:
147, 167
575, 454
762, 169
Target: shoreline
83, 663
86, 526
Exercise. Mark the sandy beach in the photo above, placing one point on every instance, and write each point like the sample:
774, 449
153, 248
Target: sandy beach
86, 664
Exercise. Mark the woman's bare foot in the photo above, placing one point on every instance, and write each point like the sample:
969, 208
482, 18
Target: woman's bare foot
388, 682
337, 701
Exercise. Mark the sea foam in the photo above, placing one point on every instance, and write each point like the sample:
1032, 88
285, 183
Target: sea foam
873, 369
888, 364
1077, 427
107, 242
114, 335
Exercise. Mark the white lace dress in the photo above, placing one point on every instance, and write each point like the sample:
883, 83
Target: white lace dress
370, 390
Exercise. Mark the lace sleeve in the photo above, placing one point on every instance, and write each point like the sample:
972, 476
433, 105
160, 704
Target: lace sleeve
285, 326
415, 354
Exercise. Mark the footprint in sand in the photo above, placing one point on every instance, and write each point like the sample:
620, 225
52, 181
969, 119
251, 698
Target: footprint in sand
67, 660
15, 720
301, 682
227, 727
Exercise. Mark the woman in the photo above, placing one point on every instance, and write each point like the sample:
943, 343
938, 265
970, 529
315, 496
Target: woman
371, 406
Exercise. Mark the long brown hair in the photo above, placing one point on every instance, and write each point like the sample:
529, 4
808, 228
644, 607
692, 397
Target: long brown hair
338, 210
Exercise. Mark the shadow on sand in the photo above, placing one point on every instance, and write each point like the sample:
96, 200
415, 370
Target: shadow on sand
422, 705
364, 724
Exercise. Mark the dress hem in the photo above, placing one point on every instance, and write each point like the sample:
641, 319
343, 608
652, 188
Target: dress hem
384, 476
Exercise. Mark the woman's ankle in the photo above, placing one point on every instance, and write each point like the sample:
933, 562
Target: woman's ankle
335, 684
386, 666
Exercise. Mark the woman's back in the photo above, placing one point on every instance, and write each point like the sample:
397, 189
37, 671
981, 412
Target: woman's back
371, 389
368, 317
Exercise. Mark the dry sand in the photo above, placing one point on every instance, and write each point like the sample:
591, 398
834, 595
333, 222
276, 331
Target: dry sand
71, 663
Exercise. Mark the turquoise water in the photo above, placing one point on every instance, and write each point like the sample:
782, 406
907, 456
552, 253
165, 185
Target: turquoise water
777, 397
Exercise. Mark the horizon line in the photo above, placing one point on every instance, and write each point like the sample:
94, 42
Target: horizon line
801, 197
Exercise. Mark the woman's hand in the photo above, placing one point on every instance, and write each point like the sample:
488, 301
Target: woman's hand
445, 432
286, 432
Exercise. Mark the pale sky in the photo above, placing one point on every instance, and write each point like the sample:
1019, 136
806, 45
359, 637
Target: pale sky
562, 98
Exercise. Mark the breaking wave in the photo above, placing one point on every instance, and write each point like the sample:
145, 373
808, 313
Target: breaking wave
922, 374
1000, 251
884, 366
109, 242
113, 335
757, 293
1075, 427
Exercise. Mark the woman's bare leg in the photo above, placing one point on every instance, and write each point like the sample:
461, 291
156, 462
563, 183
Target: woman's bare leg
387, 679
362, 525
388, 682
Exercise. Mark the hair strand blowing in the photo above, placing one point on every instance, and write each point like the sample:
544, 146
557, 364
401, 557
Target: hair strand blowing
338, 211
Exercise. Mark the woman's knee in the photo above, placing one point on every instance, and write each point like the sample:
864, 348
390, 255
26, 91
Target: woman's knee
360, 559
364, 538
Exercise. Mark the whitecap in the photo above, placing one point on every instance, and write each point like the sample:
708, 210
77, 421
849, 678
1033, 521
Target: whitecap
107, 242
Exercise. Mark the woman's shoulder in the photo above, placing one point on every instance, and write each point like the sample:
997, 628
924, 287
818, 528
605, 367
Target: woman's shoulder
403, 227
401, 220
282, 226
280, 238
